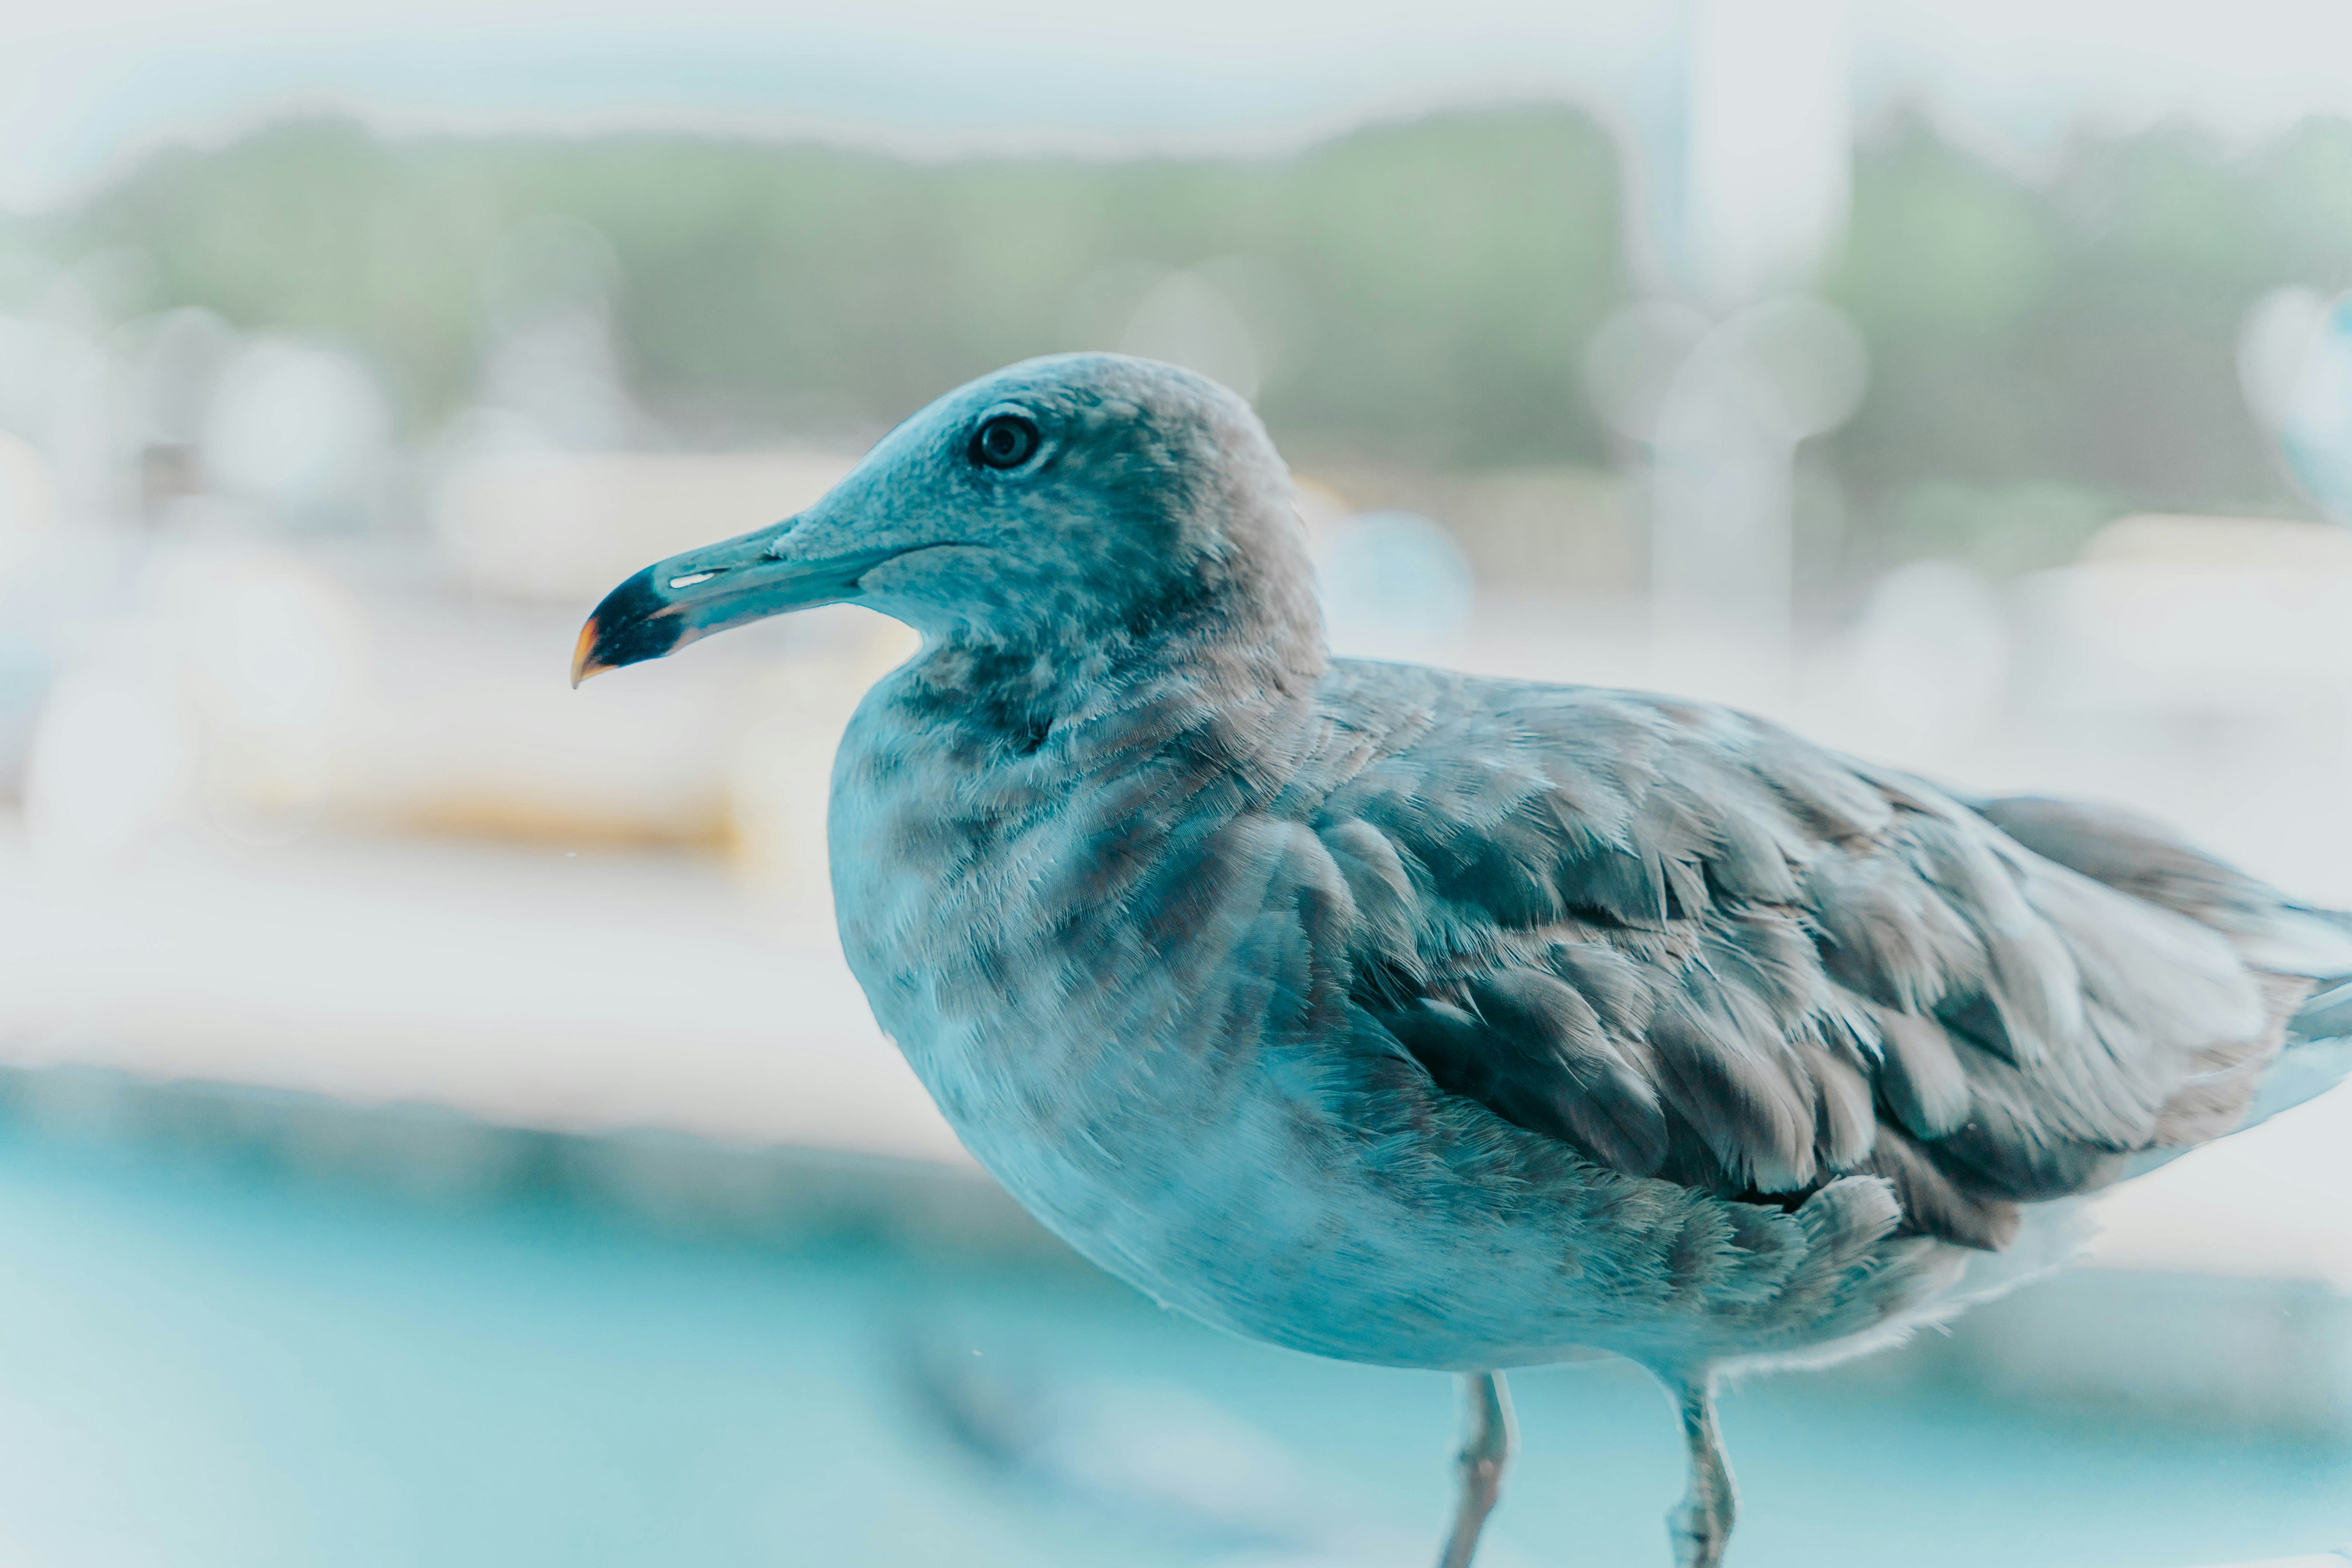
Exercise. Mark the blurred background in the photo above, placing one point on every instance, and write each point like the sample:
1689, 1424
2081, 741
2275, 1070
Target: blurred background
435, 1122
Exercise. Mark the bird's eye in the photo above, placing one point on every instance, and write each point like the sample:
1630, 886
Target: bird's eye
1005, 441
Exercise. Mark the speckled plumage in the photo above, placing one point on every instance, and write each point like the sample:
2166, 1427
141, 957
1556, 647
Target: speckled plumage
1414, 1018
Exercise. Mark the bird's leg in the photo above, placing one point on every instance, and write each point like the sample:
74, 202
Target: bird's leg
1701, 1523
1489, 1435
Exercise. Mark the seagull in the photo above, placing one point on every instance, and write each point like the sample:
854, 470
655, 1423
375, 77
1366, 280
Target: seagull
1427, 1020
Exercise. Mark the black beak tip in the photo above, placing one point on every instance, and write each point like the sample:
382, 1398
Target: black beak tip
630, 626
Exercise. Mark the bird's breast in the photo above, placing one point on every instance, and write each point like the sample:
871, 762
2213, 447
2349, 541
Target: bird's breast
1101, 977
1045, 930
1113, 982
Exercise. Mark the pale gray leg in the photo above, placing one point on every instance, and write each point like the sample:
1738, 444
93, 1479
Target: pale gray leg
1489, 1435
1701, 1522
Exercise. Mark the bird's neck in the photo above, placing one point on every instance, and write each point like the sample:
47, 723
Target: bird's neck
1215, 659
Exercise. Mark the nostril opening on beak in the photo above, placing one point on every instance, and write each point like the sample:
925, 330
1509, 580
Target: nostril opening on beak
691, 578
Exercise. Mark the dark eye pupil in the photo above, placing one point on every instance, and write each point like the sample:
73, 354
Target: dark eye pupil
1005, 441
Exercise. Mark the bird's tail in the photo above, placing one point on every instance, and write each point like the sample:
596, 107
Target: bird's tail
2306, 950
2317, 1055
2304, 957
2310, 952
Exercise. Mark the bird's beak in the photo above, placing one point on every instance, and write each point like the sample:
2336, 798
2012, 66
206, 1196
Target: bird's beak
672, 603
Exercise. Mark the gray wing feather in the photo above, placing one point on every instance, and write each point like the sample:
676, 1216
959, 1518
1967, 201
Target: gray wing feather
1691, 946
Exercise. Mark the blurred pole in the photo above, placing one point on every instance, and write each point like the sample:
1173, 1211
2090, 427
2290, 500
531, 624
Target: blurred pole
1742, 171
1722, 447
1722, 541
1768, 152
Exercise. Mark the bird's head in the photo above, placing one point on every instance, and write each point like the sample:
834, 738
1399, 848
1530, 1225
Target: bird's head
1069, 498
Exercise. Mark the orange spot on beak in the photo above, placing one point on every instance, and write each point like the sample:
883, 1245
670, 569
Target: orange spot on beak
583, 655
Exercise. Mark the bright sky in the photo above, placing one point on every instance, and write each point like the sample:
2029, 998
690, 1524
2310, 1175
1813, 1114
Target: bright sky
83, 85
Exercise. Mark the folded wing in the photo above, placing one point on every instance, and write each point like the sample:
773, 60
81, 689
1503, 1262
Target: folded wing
1694, 946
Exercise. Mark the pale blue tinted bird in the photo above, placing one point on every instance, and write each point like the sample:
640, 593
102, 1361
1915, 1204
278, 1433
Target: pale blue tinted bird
1425, 1020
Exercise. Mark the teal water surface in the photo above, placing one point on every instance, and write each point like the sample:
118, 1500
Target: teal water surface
205, 1363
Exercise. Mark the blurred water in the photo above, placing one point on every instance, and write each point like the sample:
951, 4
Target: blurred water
203, 1363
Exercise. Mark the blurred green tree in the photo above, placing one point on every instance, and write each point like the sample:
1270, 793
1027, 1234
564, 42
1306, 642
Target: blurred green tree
1417, 294
1423, 292
2074, 334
